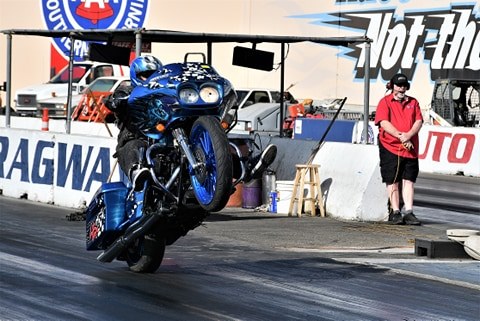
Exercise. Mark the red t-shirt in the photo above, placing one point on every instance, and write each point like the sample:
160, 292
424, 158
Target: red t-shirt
401, 114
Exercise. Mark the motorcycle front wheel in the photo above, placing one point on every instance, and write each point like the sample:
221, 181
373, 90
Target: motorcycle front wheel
212, 183
146, 253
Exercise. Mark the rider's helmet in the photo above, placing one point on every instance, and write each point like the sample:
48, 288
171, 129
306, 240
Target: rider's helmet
143, 67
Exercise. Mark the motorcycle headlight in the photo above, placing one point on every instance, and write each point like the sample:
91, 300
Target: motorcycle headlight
209, 94
188, 96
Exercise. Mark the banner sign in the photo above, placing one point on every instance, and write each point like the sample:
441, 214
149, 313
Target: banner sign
450, 150
447, 37
54, 168
88, 14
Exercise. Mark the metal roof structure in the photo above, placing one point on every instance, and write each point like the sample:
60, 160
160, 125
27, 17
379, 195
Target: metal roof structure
138, 36
168, 36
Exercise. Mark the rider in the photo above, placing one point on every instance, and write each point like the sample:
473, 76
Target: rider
131, 144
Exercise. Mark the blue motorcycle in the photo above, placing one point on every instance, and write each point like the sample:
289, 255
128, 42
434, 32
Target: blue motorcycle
190, 162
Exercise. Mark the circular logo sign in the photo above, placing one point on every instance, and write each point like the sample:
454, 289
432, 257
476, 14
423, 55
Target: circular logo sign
91, 14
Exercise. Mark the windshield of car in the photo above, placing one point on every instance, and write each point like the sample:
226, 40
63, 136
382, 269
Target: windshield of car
78, 72
287, 96
241, 95
253, 97
124, 84
276, 96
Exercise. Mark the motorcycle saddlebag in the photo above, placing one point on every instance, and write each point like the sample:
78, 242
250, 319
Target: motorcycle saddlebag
105, 215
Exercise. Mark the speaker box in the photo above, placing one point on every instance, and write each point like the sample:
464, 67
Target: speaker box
108, 53
253, 58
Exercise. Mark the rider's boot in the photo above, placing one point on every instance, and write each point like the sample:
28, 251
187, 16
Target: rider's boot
259, 163
138, 175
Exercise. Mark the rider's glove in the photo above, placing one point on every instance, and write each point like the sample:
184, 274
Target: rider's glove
117, 101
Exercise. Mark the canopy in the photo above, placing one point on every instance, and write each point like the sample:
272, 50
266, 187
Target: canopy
168, 36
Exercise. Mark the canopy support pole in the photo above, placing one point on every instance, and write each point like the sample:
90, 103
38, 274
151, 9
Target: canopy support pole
138, 43
70, 84
282, 88
366, 102
9, 81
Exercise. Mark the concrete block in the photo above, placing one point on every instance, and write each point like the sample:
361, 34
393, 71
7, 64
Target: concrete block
439, 249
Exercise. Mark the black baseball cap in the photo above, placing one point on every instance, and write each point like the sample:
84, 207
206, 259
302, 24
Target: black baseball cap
400, 79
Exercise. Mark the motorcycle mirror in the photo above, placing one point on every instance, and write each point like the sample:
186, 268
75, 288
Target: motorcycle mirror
185, 59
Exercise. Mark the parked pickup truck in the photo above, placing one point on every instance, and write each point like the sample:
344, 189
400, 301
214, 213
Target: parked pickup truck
250, 96
102, 86
259, 110
84, 73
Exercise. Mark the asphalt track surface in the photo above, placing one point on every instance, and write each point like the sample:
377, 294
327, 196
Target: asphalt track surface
240, 265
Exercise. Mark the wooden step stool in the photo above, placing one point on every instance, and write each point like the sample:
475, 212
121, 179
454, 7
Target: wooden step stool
315, 199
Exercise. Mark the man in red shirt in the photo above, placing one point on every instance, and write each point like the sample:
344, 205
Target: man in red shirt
399, 119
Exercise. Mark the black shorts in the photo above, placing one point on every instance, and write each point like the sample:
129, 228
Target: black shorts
394, 168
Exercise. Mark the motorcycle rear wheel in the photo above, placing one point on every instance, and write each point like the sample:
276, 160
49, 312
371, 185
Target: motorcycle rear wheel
145, 255
213, 184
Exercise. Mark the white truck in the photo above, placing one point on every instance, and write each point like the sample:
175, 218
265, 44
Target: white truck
259, 110
84, 73
250, 96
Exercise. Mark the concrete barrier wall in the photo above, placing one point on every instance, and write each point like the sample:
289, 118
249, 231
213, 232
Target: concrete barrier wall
349, 173
443, 150
66, 170
351, 182
54, 168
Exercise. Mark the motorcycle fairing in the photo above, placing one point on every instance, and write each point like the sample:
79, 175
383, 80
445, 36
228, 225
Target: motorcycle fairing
157, 101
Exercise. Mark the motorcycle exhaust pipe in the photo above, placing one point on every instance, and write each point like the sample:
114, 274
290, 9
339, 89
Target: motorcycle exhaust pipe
137, 229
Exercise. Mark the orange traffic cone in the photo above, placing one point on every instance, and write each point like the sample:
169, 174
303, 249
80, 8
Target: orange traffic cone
45, 119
